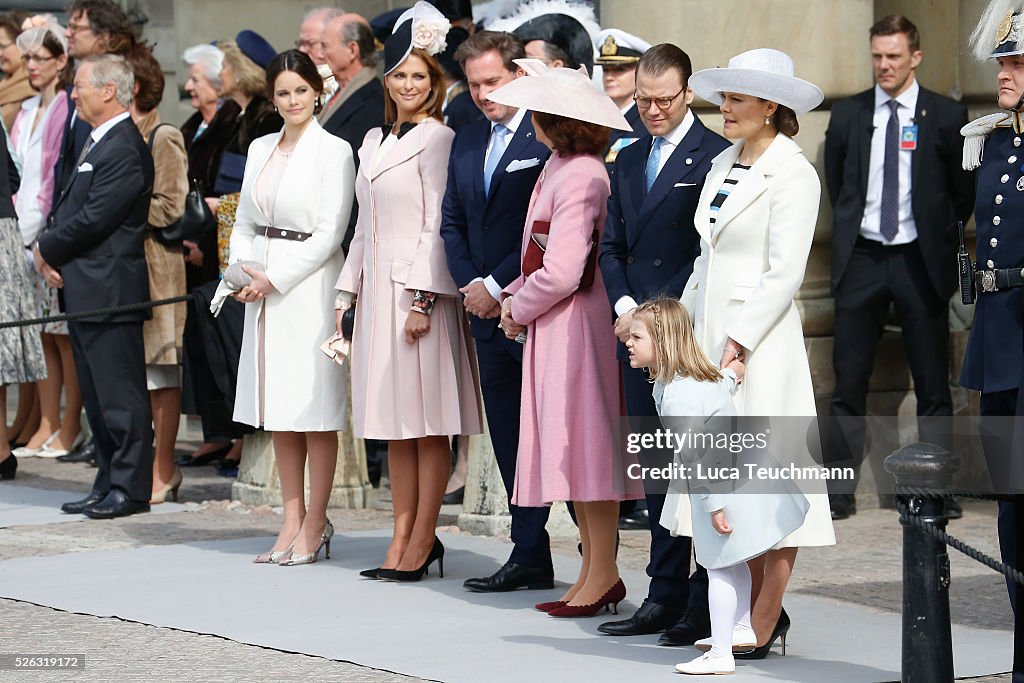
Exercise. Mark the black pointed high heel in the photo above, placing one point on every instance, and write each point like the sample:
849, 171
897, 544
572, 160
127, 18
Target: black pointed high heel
436, 553
780, 631
370, 573
8, 466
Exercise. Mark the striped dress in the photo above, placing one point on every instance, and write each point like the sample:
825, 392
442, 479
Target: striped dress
735, 173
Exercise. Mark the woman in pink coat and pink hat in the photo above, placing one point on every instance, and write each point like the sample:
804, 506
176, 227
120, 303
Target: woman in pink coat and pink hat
414, 377
571, 397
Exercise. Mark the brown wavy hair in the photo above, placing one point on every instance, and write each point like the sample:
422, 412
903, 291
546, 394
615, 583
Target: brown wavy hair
676, 351
435, 101
570, 136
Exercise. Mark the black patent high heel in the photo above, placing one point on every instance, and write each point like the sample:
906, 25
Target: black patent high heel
371, 573
436, 553
780, 631
8, 466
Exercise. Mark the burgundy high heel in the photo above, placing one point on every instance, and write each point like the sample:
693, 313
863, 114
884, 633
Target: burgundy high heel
610, 600
548, 606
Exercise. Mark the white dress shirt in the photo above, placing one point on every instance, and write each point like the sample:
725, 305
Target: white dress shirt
493, 288
668, 146
99, 131
869, 226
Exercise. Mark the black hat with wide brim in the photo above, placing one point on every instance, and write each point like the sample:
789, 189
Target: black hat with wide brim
414, 20
563, 32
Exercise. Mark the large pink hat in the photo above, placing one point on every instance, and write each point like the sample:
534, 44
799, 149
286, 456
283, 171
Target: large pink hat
563, 92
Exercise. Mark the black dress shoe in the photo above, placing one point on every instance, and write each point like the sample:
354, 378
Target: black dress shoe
209, 458
953, 509
695, 624
512, 577
85, 453
8, 466
79, 506
455, 497
637, 520
650, 618
116, 504
843, 505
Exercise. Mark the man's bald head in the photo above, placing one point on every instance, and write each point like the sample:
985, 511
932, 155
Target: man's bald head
348, 46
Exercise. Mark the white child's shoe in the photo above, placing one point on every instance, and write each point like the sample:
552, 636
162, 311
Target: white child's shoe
743, 640
706, 665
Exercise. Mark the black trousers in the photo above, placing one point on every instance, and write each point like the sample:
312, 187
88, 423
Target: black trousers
996, 441
670, 555
501, 381
111, 363
876, 277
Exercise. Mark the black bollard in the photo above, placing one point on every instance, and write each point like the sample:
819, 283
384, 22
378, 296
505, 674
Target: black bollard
927, 641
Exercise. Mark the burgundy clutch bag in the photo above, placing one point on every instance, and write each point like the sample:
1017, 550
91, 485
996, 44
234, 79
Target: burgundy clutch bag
533, 259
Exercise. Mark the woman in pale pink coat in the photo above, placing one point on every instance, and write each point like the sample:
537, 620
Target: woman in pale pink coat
571, 396
414, 378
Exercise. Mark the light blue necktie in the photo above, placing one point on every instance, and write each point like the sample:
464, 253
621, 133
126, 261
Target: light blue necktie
651, 174
500, 134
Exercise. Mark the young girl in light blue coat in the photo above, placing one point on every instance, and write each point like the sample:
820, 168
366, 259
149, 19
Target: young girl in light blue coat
728, 528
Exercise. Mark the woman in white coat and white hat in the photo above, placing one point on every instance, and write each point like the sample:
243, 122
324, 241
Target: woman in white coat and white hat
756, 218
294, 206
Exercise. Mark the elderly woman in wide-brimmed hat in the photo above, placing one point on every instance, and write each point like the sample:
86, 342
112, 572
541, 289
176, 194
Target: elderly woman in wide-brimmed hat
570, 395
756, 218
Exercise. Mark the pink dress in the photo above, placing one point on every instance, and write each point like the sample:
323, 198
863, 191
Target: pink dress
571, 394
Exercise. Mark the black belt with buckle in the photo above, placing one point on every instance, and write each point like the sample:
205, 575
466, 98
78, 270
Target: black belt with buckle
993, 280
278, 233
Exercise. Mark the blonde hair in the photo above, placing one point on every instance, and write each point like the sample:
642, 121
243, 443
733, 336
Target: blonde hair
676, 350
250, 77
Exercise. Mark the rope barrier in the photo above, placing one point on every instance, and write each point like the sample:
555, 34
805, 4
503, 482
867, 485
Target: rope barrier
955, 543
98, 313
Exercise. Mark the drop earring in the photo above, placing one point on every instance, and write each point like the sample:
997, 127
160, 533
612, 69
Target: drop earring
767, 121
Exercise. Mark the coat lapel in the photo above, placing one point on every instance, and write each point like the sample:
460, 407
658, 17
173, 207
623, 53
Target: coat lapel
633, 179
260, 165
522, 137
864, 131
923, 131
476, 162
405, 148
720, 166
294, 194
675, 169
89, 155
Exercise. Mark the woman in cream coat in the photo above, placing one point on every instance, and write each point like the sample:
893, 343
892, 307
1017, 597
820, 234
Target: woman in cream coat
755, 239
299, 183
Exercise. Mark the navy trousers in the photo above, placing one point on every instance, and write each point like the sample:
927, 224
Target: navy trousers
501, 381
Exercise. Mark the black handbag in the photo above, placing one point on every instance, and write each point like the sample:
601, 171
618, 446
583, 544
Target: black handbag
348, 322
197, 219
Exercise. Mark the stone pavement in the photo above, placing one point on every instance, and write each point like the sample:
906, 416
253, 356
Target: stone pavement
863, 568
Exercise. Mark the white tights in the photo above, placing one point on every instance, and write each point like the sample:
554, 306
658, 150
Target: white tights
729, 603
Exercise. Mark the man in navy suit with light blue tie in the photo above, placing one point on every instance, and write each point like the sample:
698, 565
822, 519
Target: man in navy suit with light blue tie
648, 250
493, 168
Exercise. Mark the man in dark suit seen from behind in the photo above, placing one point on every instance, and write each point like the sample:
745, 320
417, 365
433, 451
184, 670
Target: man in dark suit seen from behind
92, 250
494, 165
893, 169
647, 250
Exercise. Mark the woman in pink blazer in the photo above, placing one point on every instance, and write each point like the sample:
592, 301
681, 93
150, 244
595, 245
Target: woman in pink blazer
571, 396
414, 378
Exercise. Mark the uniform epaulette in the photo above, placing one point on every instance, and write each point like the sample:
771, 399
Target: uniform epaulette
975, 133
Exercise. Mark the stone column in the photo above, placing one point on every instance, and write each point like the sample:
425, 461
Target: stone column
485, 506
258, 483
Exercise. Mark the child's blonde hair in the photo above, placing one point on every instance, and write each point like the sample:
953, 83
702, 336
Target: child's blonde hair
676, 351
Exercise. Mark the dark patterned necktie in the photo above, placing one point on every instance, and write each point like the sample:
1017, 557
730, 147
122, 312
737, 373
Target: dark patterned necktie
85, 150
889, 218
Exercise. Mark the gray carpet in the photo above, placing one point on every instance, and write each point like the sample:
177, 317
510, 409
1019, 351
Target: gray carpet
21, 505
435, 629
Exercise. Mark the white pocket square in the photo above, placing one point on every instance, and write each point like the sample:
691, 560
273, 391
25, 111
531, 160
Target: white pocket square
520, 164
685, 185
85, 167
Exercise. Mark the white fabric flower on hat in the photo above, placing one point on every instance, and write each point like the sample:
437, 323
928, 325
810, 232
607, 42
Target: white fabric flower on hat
429, 35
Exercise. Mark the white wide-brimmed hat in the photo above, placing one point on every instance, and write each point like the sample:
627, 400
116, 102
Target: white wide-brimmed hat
764, 73
564, 92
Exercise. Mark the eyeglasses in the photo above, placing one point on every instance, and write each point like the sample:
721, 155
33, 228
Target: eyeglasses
662, 103
37, 59
78, 28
